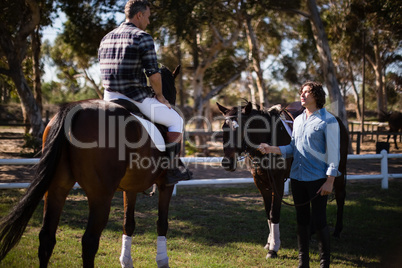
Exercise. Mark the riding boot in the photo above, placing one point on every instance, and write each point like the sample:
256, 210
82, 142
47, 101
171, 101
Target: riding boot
303, 239
324, 246
176, 170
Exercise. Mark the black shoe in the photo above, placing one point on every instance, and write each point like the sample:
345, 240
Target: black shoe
324, 247
303, 239
175, 175
271, 255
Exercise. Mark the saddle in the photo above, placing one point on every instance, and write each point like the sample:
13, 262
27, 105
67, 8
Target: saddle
290, 112
294, 109
133, 109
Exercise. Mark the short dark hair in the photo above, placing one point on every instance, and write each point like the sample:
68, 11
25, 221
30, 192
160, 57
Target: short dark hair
317, 91
134, 6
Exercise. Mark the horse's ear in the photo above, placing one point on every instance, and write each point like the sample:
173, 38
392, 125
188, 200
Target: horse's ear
176, 71
247, 109
258, 107
222, 109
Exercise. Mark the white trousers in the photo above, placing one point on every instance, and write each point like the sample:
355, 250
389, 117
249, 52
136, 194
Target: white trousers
154, 110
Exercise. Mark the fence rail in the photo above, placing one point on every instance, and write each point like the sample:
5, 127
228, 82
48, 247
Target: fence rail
383, 157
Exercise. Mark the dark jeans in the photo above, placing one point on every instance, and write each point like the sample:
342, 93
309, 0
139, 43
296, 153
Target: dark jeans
303, 192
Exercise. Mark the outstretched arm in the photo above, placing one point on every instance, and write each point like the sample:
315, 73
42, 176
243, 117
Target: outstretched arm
266, 149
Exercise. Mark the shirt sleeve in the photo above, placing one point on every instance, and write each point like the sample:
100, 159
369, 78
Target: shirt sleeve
333, 147
148, 55
287, 150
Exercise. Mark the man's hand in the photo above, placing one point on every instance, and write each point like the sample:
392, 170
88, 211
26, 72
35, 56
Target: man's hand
156, 83
263, 148
162, 100
327, 187
267, 149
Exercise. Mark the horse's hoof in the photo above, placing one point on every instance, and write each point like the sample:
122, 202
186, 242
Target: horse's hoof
266, 246
271, 255
126, 262
163, 263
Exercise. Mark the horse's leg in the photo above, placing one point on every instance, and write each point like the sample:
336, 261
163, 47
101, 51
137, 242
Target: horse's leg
165, 194
266, 190
53, 205
277, 195
99, 208
130, 199
340, 195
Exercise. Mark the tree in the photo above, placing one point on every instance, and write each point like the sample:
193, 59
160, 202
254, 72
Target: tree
72, 66
382, 21
18, 21
208, 30
327, 64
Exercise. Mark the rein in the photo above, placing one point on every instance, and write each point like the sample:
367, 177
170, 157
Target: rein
256, 165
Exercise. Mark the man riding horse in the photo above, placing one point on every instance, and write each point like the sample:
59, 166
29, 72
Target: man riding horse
127, 57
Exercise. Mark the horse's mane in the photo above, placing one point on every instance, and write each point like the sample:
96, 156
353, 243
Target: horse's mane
168, 85
273, 111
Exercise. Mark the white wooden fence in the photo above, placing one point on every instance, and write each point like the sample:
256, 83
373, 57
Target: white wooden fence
383, 157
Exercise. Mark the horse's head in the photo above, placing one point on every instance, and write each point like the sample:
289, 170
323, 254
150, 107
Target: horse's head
233, 134
245, 129
168, 84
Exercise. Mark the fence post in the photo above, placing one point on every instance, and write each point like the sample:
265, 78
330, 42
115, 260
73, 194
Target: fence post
358, 142
384, 169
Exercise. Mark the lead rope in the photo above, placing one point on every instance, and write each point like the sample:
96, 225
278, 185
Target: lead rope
270, 176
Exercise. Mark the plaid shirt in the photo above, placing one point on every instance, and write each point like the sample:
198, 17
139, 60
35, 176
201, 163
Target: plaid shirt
124, 54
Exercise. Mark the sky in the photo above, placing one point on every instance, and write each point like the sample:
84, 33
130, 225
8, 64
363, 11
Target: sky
50, 33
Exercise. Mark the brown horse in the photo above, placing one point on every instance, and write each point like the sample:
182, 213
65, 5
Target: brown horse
243, 130
96, 144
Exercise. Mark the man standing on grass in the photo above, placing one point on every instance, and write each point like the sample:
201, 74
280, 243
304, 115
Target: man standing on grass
315, 150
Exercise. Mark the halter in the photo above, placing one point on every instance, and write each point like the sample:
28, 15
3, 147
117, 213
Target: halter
257, 164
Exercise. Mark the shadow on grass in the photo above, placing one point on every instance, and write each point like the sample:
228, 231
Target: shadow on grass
214, 216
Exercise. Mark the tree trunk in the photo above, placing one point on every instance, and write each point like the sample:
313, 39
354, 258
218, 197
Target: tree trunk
355, 93
27, 98
37, 85
250, 84
320, 37
14, 47
255, 55
377, 65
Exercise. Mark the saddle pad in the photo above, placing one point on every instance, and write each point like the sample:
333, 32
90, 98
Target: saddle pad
287, 127
153, 132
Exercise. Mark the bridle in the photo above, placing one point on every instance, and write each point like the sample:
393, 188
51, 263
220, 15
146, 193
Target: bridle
256, 163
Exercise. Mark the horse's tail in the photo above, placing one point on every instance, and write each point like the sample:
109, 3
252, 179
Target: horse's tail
13, 226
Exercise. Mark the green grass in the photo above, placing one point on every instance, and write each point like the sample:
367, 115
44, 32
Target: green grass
221, 227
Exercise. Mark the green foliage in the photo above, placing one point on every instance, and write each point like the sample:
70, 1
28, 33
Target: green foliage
32, 145
190, 148
54, 92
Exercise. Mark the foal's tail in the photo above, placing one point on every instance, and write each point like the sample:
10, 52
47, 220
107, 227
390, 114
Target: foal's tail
13, 226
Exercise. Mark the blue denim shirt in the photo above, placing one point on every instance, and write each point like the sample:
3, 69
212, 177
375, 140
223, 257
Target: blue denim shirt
315, 146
